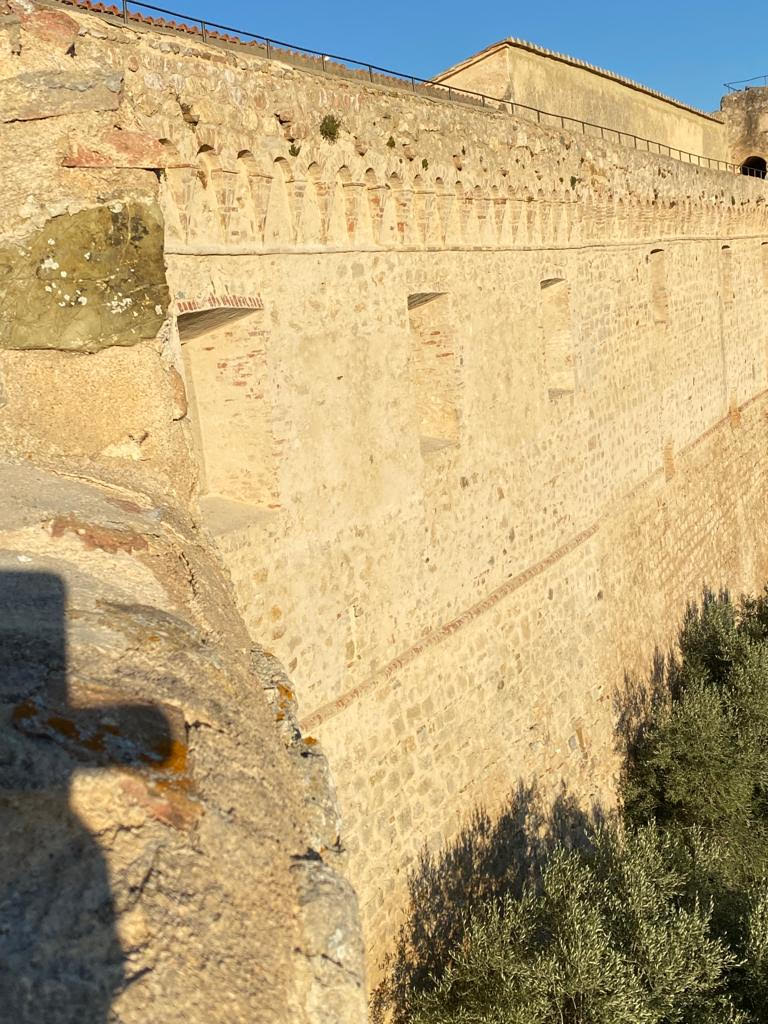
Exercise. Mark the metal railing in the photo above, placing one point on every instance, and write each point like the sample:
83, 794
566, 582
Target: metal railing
213, 32
734, 86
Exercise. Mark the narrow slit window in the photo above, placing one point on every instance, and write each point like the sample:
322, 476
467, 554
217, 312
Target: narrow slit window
557, 330
224, 354
434, 370
657, 261
726, 275
764, 261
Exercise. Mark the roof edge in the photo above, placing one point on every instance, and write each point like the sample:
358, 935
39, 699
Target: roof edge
542, 51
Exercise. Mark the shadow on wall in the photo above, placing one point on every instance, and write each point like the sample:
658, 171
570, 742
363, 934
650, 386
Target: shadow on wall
487, 859
60, 957
491, 858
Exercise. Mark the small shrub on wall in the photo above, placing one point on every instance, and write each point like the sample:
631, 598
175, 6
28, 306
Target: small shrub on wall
330, 127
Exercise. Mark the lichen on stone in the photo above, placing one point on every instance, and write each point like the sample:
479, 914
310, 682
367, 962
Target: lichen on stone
85, 281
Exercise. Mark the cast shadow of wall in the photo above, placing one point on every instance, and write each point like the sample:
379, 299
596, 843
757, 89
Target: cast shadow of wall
492, 857
61, 961
489, 858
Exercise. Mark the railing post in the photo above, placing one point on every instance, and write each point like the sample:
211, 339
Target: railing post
125, 11
413, 84
370, 72
322, 59
268, 57
202, 26
449, 93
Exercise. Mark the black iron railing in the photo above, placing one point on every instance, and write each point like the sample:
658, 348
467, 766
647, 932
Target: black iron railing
213, 32
745, 82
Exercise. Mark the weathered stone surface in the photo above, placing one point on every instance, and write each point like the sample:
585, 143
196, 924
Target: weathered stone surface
10, 27
39, 94
85, 281
332, 947
117, 149
52, 27
149, 813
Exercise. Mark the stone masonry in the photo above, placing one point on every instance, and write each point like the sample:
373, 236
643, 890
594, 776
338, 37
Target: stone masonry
465, 408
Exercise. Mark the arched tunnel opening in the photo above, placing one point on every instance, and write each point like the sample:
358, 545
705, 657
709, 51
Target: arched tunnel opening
754, 166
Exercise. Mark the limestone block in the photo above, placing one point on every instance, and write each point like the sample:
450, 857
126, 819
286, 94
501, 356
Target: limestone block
37, 94
85, 281
332, 943
115, 148
52, 27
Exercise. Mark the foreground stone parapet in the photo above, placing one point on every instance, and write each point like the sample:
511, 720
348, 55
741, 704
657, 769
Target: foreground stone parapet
85, 281
153, 863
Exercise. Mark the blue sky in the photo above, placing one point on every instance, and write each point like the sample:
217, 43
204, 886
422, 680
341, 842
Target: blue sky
683, 48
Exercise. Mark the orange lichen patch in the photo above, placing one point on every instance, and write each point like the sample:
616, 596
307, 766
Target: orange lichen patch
170, 759
285, 693
169, 805
167, 787
146, 741
27, 709
99, 537
68, 728
31, 718
309, 741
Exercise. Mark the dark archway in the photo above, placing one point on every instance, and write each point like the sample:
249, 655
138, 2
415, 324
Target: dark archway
754, 166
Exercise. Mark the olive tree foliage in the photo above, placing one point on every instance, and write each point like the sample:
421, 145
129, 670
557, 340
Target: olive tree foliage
604, 938
661, 918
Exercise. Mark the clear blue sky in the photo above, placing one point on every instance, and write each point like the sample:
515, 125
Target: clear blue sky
679, 47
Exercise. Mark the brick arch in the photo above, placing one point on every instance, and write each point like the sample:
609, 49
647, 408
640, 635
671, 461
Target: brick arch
206, 312
755, 166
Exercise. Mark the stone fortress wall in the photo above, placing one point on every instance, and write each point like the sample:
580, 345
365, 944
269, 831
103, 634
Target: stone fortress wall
470, 408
